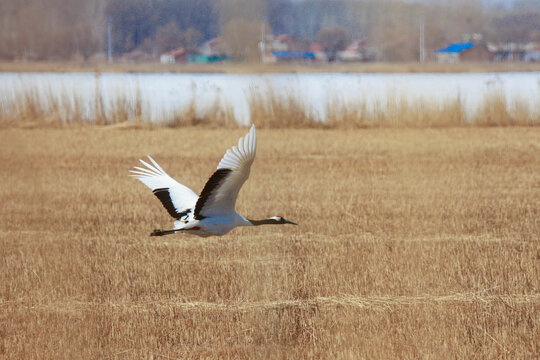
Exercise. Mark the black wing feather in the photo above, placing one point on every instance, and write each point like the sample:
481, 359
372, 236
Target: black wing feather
213, 183
165, 197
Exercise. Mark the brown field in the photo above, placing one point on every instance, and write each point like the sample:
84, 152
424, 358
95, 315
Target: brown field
412, 243
248, 68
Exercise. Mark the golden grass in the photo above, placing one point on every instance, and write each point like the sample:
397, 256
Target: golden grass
398, 112
216, 115
268, 108
251, 68
412, 243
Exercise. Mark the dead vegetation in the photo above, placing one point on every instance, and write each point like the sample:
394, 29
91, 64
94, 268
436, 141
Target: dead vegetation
412, 243
267, 107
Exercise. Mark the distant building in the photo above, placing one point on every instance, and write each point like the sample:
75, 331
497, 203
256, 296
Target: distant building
356, 51
533, 55
285, 42
464, 52
515, 51
284, 47
478, 53
207, 59
211, 51
318, 52
174, 56
213, 47
291, 56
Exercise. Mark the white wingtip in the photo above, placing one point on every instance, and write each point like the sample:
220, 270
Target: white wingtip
243, 152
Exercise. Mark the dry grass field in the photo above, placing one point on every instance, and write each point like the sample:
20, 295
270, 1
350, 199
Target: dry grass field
412, 243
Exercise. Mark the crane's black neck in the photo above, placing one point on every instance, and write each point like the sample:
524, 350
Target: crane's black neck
264, 222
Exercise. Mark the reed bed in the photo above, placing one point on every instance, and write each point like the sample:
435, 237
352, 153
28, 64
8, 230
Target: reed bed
268, 108
412, 243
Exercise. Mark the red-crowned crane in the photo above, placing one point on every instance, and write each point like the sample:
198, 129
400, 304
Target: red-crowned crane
211, 213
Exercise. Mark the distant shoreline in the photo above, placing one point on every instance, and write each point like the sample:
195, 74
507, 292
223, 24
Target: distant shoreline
247, 68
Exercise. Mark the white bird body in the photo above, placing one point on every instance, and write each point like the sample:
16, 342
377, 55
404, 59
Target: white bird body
216, 225
211, 213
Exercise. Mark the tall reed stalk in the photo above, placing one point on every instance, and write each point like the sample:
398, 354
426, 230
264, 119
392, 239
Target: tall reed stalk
268, 108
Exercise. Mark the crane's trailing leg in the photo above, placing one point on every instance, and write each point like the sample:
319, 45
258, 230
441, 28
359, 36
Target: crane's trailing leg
158, 232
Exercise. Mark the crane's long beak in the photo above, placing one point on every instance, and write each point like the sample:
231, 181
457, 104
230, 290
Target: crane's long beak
290, 222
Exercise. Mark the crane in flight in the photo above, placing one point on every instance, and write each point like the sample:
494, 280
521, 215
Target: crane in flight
212, 212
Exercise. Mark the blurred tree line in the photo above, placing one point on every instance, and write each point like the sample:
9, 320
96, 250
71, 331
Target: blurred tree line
50, 29
70, 29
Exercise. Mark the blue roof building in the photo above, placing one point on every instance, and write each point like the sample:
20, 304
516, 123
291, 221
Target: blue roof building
293, 55
455, 48
464, 51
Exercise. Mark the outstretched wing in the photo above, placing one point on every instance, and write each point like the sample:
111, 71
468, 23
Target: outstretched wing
221, 190
175, 197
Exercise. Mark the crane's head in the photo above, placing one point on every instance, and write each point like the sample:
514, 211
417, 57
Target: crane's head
281, 220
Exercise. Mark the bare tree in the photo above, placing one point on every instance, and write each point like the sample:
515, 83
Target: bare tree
191, 38
167, 37
518, 27
333, 39
248, 10
241, 38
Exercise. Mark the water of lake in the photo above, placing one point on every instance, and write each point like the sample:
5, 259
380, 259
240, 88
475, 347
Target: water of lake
162, 94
